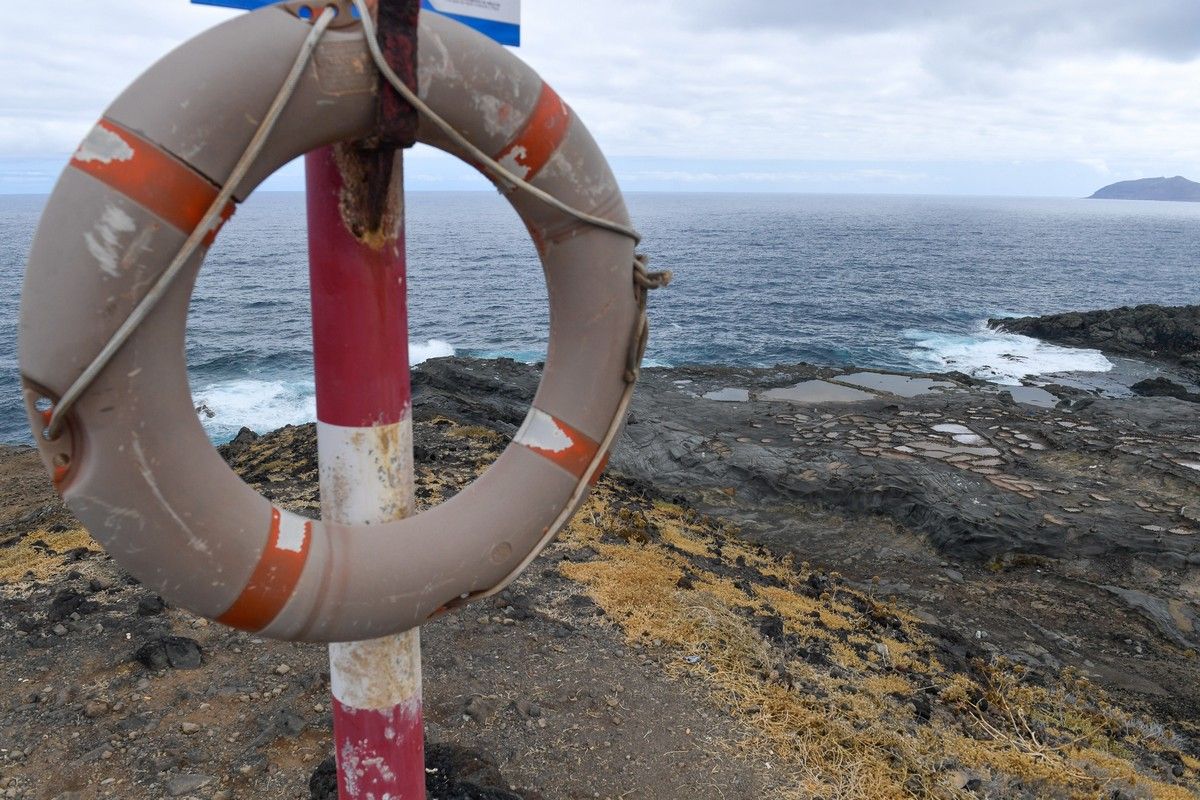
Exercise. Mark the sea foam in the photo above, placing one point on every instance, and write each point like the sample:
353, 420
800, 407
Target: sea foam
433, 348
260, 405
1000, 357
264, 404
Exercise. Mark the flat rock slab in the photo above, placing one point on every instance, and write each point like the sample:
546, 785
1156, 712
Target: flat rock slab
969, 438
816, 391
899, 385
952, 428
1033, 396
729, 395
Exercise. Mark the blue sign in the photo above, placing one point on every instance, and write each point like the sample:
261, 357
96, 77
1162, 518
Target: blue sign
499, 19
248, 5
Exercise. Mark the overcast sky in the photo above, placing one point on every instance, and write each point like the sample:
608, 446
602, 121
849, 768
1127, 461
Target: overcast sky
1027, 97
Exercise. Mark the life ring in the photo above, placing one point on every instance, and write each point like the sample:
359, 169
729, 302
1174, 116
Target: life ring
132, 460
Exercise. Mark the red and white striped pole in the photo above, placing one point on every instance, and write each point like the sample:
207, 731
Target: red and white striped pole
364, 440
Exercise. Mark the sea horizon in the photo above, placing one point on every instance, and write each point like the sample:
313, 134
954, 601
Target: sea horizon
489, 189
879, 281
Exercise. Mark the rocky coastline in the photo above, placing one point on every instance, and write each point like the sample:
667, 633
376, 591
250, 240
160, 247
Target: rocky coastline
792, 582
1164, 334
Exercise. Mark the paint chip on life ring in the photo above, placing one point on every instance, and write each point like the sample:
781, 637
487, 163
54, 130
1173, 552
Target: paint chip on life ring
542, 432
103, 145
293, 533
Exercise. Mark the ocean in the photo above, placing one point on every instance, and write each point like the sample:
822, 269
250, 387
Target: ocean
893, 282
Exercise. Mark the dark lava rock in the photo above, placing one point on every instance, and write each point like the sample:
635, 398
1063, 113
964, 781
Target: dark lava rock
239, 443
176, 652
1161, 387
456, 773
755, 459
451, 773
922, 707
771, 627
150, 605
68, 602
289, 723
1168, 333
955, 650
322, 784
816, 584
492, 393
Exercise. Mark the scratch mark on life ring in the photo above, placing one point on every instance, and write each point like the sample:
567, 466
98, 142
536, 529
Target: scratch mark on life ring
196, 542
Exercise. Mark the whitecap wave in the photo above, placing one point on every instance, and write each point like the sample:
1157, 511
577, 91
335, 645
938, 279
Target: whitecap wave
1000, 357
260, 405
433, 348
263, 405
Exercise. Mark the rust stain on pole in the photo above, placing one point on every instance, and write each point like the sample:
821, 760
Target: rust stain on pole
371, 204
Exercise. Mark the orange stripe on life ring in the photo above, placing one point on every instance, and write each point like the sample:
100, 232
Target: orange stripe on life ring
543, 133
599, 470
149, 176
556, 441
274, 579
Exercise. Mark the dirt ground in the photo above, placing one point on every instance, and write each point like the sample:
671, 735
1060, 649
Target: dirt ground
654, 652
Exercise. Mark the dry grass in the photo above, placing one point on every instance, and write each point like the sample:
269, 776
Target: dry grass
476, 432
836, 699
23, 560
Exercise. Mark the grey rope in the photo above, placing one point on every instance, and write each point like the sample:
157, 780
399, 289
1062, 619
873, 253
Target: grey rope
152, 298
643, 281
459, 139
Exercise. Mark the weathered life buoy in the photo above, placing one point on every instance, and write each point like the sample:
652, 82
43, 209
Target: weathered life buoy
131, 459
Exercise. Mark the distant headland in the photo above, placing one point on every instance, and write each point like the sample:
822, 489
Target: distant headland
1178, 188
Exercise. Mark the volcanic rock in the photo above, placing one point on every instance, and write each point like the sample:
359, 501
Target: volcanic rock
1163, 333
175, 652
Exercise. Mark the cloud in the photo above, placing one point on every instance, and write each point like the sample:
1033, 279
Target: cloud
785, 176
884, 79
889, 82
1012, 29
73, 60
818, 16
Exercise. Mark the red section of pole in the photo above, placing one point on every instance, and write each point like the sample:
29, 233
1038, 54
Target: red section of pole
360, 317
364, 429
379, 753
